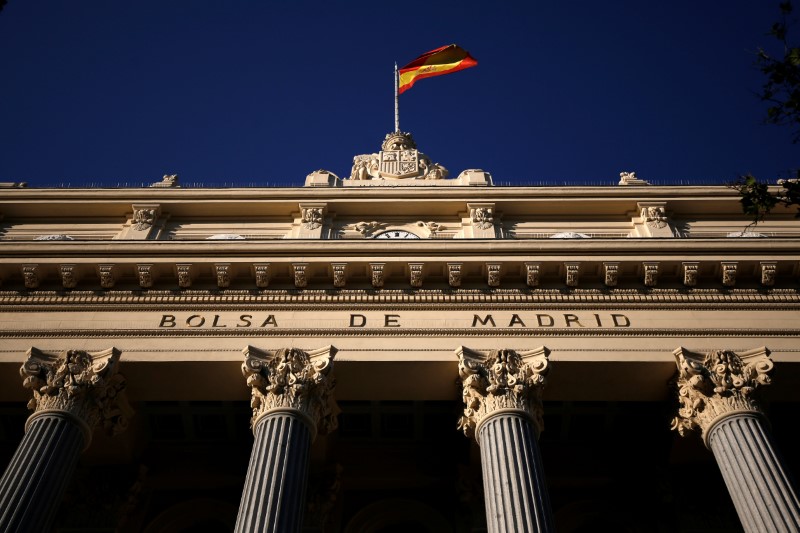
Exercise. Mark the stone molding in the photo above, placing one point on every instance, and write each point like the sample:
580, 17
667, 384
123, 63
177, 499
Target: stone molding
501, 380
295, 380
718, 384
86, 386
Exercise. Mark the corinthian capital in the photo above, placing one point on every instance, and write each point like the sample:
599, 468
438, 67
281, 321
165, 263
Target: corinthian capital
714, 385
503, 379
292, 379
82, 384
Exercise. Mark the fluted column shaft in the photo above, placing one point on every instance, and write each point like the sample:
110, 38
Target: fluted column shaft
759, 487
274, 492
513, 477
34, 483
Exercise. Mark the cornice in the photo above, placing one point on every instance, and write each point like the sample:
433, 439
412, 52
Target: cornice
234, 299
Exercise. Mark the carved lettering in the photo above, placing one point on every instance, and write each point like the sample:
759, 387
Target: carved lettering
195, 321
358, 321
391, 321
167, 321
617, 324
515, 319
569, 319
550, 322
484, 321
216, 325
270, 321
245, 321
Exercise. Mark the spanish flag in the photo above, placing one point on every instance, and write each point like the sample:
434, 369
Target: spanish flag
443, 60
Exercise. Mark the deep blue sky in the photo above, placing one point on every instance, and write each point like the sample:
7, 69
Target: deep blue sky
266, 92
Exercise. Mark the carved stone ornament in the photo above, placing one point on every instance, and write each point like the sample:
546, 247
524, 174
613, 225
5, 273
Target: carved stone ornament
311, 217
368, 228
654, 216
376, 274
292, 379
107, 276
650, 274
573, 273
169, 180
184, 275
86, 385
415, 270
493, 274
55, 237
768, 273
143, 219
145, 276
482, 217
262, 274
339, 277
300, 274
716, 384
68, 277
223, 273
454, 274
432, 227
629, 178
532, 274
729, 274
30, 275
611, 274
503, 379
690, 274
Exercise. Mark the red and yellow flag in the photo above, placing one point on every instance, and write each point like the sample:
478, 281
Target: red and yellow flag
444, 60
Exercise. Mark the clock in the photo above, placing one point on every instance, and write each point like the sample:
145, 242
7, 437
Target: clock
396, 234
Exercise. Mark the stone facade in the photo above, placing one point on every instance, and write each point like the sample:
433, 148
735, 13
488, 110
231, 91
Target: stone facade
395, 269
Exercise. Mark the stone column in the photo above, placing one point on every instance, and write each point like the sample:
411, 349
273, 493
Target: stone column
503, 409
715, 393
72, 394
291, 392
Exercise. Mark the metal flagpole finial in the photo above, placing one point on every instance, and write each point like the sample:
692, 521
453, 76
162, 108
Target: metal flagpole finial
396, 100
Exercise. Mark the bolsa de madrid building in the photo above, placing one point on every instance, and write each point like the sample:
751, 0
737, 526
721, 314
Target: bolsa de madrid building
398, 350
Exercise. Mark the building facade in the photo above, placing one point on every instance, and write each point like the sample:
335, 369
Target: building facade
399, 350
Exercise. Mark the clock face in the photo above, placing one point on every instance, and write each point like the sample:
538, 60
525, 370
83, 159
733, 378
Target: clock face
396, 234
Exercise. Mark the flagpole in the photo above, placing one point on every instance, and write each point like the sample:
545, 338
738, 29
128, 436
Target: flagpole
396, 100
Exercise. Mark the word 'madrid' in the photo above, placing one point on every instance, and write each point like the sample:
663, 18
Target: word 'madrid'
394, 320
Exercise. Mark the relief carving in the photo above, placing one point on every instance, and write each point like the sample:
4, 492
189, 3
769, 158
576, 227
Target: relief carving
454, 274
532, 274
729, 274
416, 274
107, 276
368, 228
432, 227
223, 273
690, 274
493, 274
376, 274
650, 274
339, 277
184, 275
262, 275
68, 278
292, 379
482, 217
30, 275
143, 219
145, 276
573, 273
611, 274
654, 216
768, 273
311, 217
300, 280
84, 384
718, 383
505, 379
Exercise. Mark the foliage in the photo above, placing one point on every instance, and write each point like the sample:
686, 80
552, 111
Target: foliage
782, 91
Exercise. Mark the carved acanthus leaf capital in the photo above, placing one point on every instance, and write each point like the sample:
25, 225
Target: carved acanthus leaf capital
503, 379
86, 385
713, 385
292, 379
